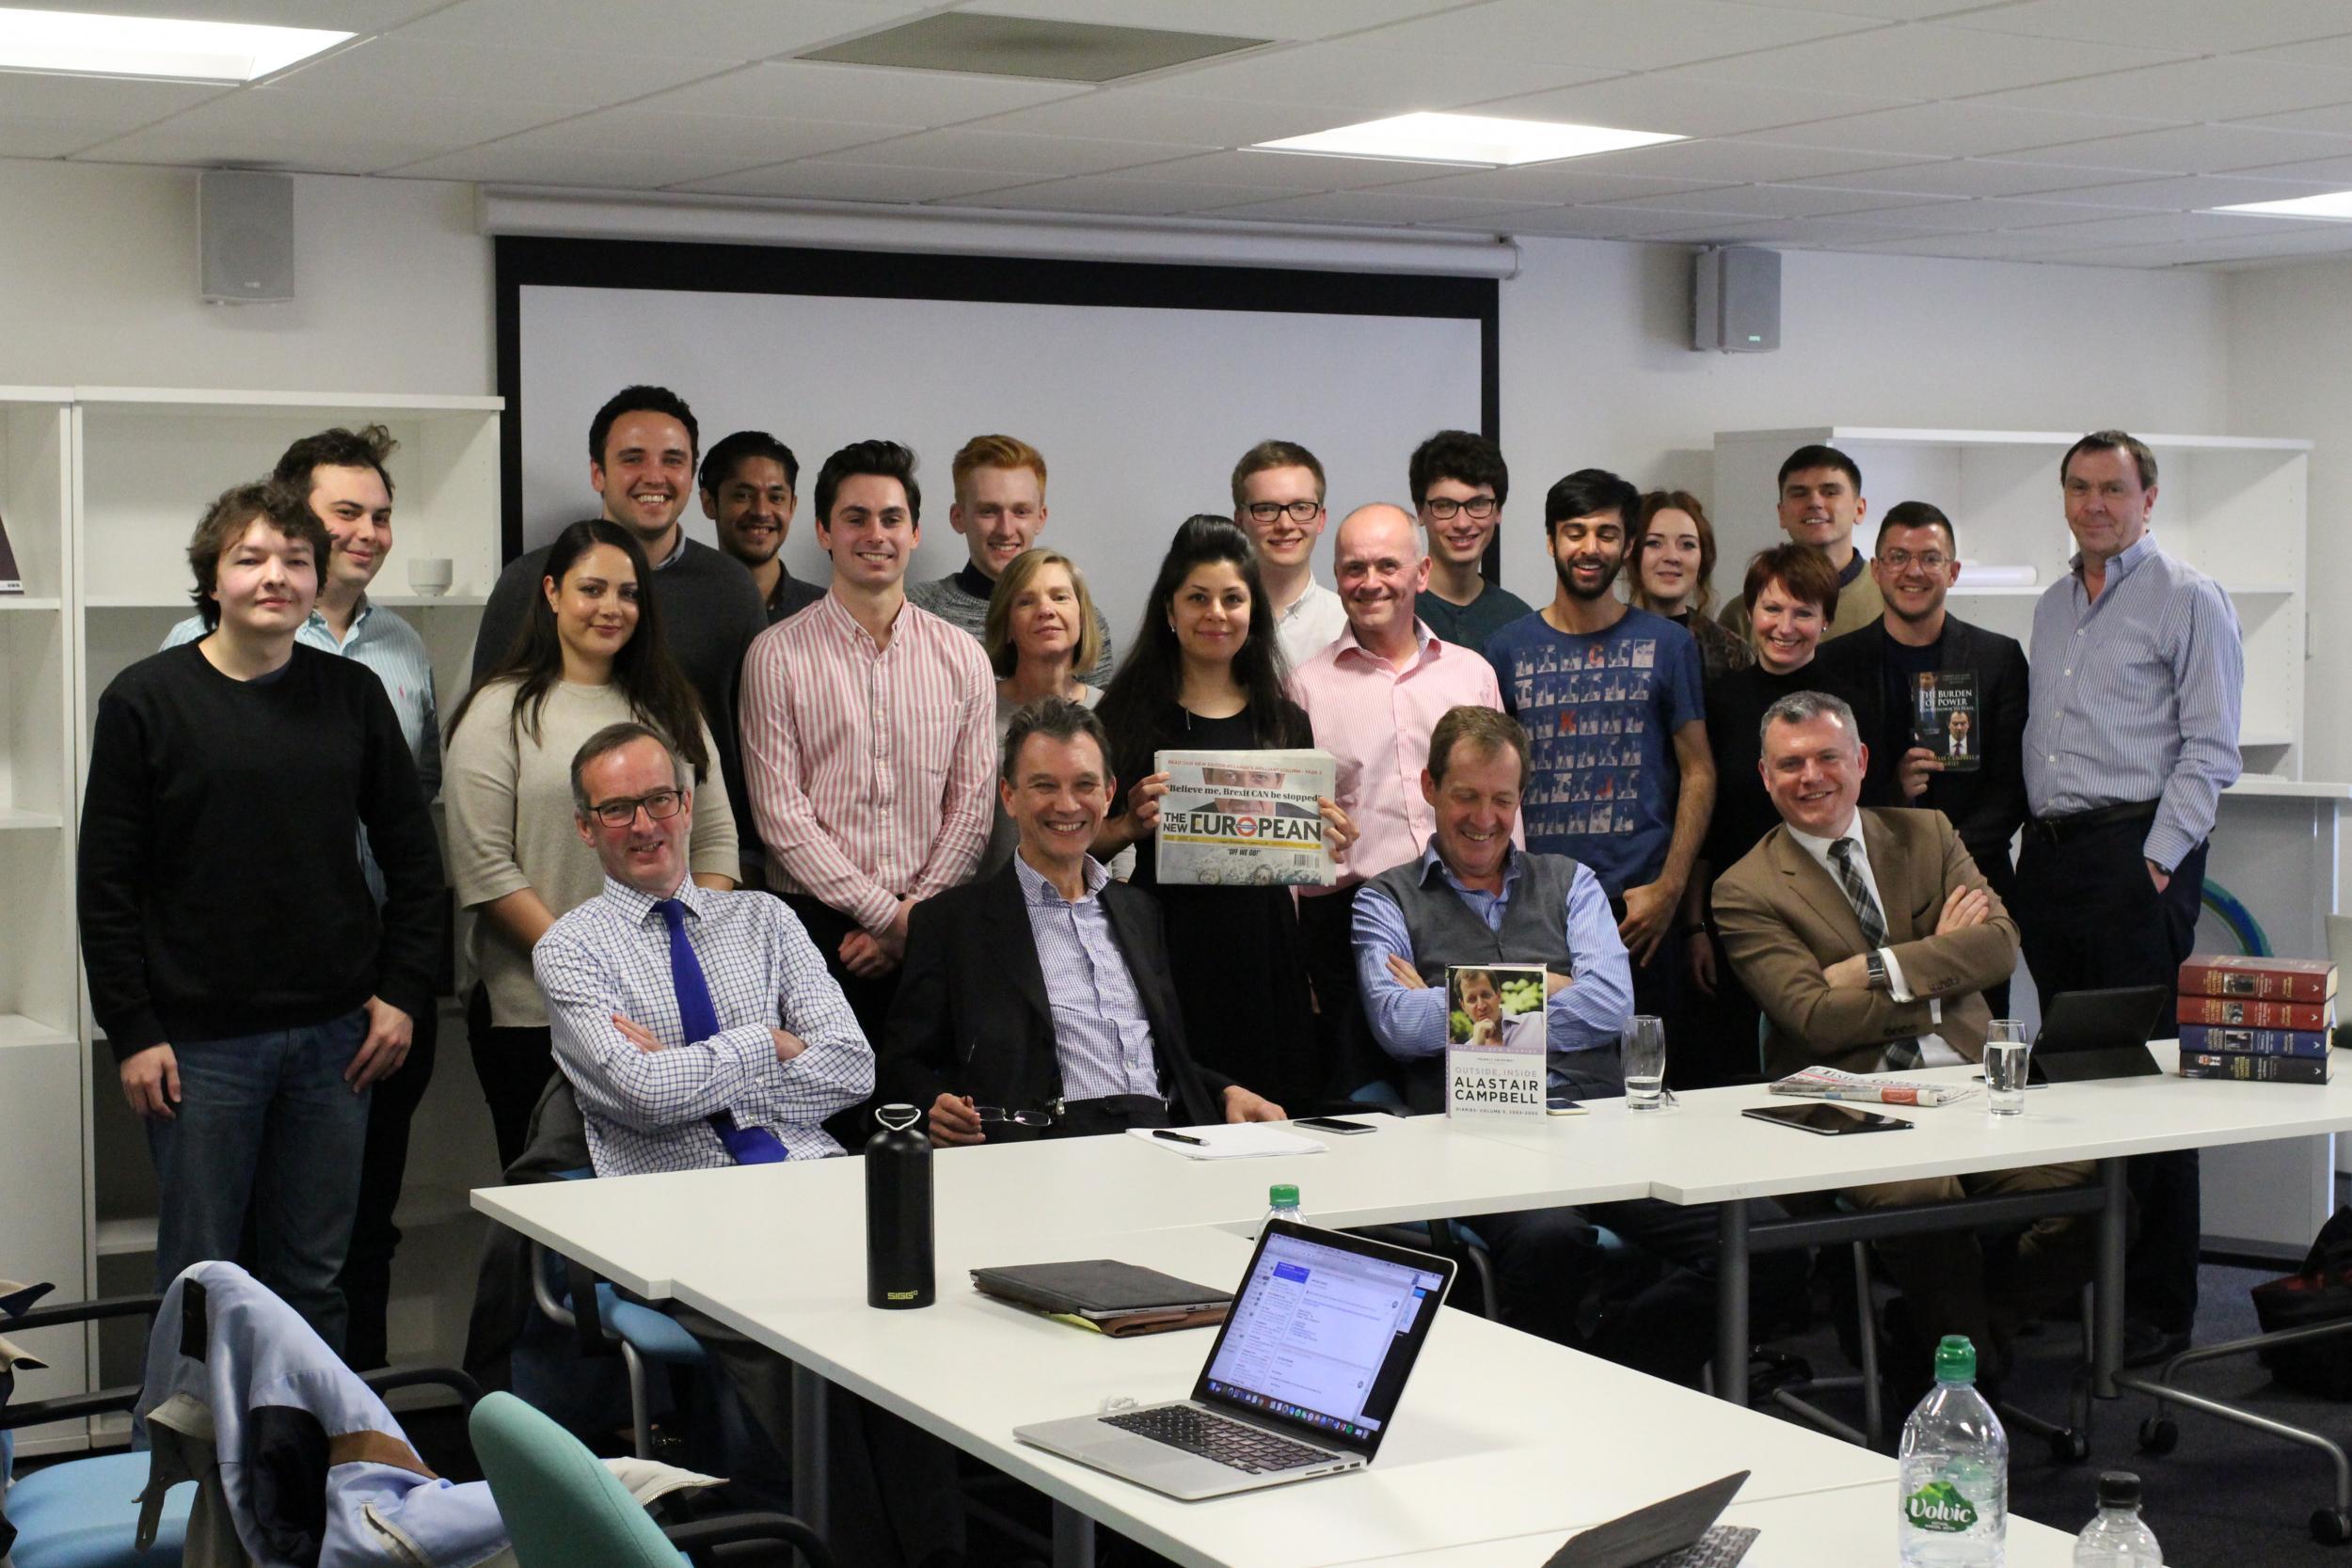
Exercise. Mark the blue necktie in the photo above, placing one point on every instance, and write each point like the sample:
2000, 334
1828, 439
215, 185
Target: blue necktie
699, 1021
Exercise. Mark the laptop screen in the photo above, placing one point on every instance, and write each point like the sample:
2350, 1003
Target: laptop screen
1323, 1332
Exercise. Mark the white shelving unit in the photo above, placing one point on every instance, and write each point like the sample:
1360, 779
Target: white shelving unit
2236, 509
100, 488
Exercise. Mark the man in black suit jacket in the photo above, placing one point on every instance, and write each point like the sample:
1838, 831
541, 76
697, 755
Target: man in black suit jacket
1041, 992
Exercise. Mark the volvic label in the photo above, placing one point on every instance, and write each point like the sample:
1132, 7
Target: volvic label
1938, 1506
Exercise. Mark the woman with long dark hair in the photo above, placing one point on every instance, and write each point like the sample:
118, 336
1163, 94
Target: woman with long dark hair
1204, 673
590, 654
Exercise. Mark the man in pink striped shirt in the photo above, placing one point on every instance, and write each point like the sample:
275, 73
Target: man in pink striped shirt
868, 736
1374, 695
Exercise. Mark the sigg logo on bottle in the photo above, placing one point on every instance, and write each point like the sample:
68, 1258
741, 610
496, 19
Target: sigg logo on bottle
1938, 1506
903, 1295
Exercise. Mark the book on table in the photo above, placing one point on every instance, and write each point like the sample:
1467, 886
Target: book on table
1496, 1061
2262, 979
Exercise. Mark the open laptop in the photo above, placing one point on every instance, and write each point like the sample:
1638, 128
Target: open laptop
2097, 1034
1302, 1381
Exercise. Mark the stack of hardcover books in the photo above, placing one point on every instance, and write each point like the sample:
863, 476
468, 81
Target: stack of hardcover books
2257, 1019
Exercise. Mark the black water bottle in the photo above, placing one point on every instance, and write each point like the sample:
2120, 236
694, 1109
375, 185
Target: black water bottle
898, 1211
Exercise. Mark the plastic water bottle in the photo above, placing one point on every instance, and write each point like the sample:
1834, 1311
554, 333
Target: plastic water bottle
2117, 1539
1954, 1491
1282, 1204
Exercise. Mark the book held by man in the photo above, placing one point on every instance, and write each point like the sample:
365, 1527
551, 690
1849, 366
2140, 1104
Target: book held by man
1495, 1055
1246, 818
1943, 718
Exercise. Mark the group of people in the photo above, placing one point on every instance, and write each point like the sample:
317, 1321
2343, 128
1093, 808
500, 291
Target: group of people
741, 853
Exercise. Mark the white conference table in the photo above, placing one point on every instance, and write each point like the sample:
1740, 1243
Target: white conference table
1852, 1527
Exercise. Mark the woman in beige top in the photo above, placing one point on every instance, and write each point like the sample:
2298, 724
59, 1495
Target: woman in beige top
591, 653
1040, 630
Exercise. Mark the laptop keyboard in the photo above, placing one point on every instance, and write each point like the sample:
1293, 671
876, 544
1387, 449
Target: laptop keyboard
1232, 1443
1720, 1547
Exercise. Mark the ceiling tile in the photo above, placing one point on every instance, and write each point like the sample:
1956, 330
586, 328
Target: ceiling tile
1786, 202
2143, 257
1886, 10
342, 16
1300, 173
863, 95
2191, 149
546, 159
1808, 234
1112, 193
1738, 161
843, 181
1371, 207
1609, 34
1606, 220
281, 127
1986, 216
1017, 157
1967, 247
2321, 240
741, 141
100, 100
1263, 19
1686, 106
393, 67
1953, 130
1554, 183
2335, 173
2192, 26
1924, 61
2335, 53
2333, 119
2160, 227
2189, 193
1131, 114
2227, 87
1367, 84
1978, 177
735, 30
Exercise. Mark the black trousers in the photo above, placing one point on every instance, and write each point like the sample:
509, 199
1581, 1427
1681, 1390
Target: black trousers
1660, 989
868, 999
367, 1278
1351, 1057
513, 1066
2091, 918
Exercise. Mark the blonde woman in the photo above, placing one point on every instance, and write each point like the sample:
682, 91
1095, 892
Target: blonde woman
1042, 629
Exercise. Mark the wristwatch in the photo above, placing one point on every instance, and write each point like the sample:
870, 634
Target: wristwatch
1876, 960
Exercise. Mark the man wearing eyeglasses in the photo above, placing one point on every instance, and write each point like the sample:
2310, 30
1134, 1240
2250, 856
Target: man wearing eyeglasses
1278, 500
1877, 671
1036, 1001
1459, 483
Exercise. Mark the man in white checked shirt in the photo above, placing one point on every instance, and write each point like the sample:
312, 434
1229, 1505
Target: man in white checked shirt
658, 1092
869, 729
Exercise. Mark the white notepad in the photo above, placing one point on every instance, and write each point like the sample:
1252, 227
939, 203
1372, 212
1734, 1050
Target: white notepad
1237, 1140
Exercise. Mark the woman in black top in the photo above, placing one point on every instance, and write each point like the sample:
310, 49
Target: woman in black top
1204, 673
1672, 574
1791, 594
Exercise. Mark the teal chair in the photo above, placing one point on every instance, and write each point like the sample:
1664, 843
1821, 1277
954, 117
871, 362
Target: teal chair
564, 1509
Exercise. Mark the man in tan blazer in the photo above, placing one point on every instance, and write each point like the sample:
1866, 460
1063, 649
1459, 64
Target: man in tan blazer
1867, 936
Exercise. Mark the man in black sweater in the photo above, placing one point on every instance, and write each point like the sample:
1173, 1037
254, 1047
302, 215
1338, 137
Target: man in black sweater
642, 448
236, 959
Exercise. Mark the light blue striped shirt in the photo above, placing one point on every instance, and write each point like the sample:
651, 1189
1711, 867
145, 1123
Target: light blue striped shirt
2136, 697
650, 1110
1101, 1035
390, 648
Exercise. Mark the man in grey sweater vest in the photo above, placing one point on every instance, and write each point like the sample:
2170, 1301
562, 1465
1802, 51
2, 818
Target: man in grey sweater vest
1473, 898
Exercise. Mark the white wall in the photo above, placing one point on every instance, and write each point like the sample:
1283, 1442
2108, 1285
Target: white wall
98, 272
1597, 368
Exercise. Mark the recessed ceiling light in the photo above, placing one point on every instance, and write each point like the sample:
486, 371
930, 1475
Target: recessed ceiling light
2335, 205
71, 43
1480, 140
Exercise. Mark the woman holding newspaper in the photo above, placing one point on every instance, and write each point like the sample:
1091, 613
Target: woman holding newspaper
1204, 675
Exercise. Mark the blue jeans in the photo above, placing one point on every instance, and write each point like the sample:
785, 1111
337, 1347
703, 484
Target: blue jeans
267, 1122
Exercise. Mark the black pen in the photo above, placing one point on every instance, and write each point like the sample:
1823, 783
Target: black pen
1178, 1138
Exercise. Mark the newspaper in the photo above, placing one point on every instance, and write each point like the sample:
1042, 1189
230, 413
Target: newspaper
1822, 1083
1495, 1056
1245, 818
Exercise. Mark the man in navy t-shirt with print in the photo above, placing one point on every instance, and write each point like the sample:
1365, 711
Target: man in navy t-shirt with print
1610, 695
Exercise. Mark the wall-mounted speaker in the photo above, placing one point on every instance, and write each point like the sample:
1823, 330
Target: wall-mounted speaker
245, 237
1734, 299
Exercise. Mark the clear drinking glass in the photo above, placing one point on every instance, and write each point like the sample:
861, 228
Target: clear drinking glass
1643, 1050
2008, 1050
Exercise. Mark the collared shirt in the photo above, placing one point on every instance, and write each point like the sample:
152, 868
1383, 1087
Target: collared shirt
649, 1110
1376, 720
2135, 696
870, 768
1933, 1051
1101, 1036
390, 648
1308, 626
1587, 1015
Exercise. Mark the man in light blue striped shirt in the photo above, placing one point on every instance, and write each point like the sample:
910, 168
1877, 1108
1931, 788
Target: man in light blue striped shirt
2131, 735
343, 473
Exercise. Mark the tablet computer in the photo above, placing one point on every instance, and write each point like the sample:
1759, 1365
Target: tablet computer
2089, 1035
1829, 1118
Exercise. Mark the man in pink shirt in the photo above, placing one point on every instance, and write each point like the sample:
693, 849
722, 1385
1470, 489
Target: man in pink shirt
1374, 695
869, 733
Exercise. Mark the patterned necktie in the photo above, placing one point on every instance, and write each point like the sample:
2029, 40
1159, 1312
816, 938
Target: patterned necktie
1901, 1054
698, 1019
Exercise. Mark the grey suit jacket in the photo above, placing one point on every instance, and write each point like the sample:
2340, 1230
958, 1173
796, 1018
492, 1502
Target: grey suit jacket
1784, 920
